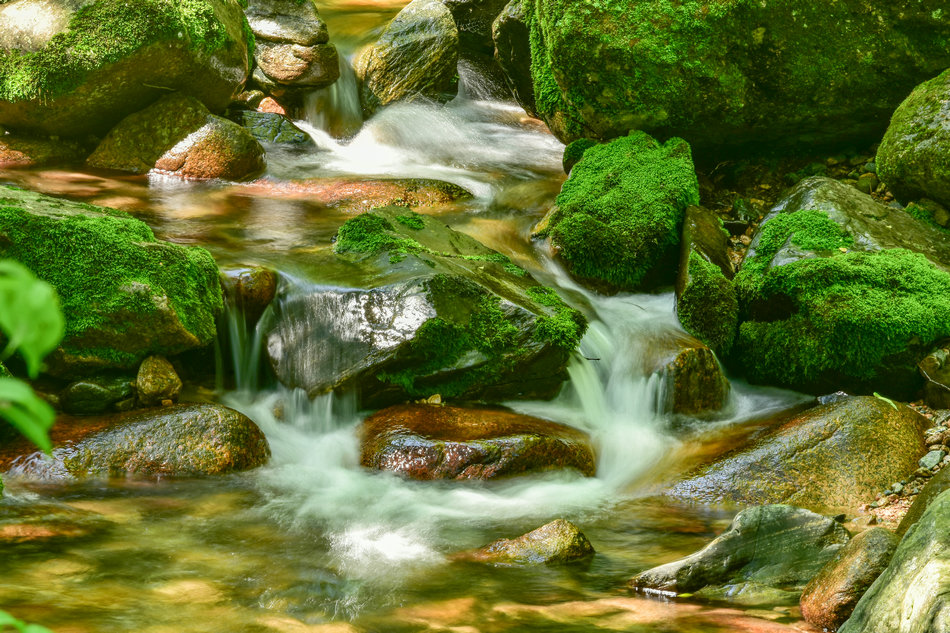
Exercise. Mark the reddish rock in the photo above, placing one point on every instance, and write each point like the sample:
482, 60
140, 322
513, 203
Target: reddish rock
34, 152
269, 104
427, 442
358, 196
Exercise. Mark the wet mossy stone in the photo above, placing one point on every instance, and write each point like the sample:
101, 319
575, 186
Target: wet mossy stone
124, 294
559, 541
268, 127
513, 53
574, 152
617, 220
731, 75
913, 159
439, 313
95, 394
819, 459
87, 65
838, 291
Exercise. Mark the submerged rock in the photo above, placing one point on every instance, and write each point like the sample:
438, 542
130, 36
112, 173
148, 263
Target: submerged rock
555, 542
124, 294
441, 442
913, 593
767, 555
359, 195
86, 65
819, 459
47, 523
18, 151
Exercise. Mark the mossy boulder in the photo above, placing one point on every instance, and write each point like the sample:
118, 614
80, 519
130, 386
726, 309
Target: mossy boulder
439, 314
17, 151
819, 459
731, 74
124, 294
914, 157
97, 394
178, 135
913, 593
617, 220
937, 485
766, 556
693, 381
556, 542
426, 442
95, 62
838, 291
415, 57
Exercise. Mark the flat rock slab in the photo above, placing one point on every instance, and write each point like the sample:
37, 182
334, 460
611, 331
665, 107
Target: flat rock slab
442, 442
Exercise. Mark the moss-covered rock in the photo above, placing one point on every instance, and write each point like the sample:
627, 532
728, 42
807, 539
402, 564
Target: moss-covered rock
125, 295
556, 542
440, 313
513, 53
96, 394
914, 157
268, 127
618, 217
693, 381
108, 58
832, 297
731, 73
18, 151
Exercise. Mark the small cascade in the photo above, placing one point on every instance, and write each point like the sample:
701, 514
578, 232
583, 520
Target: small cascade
336, 109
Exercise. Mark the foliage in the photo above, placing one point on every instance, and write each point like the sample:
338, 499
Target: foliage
7, 621
708, 308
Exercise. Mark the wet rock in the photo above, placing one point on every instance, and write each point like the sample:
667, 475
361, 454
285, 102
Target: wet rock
768, 553
838, 291
182, 440
442, 442
295, 65
359, 195
912, 157
157, 382
694, 383
85, 66
250, 289
706, 302
818, 459
177, 135
831, 596
439, 313
574, 152
474, 19
933, 489
268, 127
616, 66
96, 394
124, 294
911, 595
287, 21
555, 542
513, 53
416, 57
935, 368
18, 151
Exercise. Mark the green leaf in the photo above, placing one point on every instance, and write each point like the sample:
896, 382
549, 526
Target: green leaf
887, 400
36, 628
30, 317
22, 408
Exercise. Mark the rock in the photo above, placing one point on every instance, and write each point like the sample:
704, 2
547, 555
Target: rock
474, 19
438, 313
96, 394
932, 459
181, 440
818, 459
706, 302
603, 69
47, 524
574, 152
268, 127
416, 57
766, 548
694, 383
354, 196
124, 294
295, 65
618, 217
912, 157
831, 596
87, 65
423, 441
935, 370
555, 542
513, 53
933, 489
911, 595
18, 151
157, 381
287, 21
832, 297
250, 290
178, 135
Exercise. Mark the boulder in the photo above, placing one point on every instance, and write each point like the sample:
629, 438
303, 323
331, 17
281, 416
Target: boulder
818, 459
87, 65
933, 489
352, 196
16, 151
513, 53
424, 441
736, 75
913, 159
693, 381
474, 19
157, 382
767, 555
416, 57
913, 593
438, 313
177, 135
555, 542
706, 302
935, 369
275, 129
250, 290
616, 224
182, 440
287, 21
838, 291
124, 294
96, 394
832, 594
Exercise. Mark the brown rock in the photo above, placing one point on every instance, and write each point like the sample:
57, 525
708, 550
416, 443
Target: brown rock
269, 104
694, 381
250, 289
831, 596
34, 152
356, 196
556, 542
292, 64
935, 368
157, 381
442, 442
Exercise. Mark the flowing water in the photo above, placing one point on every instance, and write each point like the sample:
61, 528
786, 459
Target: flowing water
312, 542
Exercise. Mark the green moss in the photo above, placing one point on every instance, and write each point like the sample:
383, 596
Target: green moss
708, 308
102, 33
4, 372
371, 234
565, 328
413, 220
923, 214
619, 214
